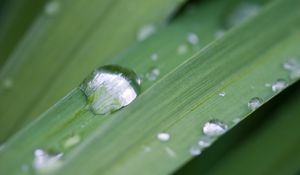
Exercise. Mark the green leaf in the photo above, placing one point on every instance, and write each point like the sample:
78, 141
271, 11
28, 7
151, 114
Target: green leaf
179, 103
63, 46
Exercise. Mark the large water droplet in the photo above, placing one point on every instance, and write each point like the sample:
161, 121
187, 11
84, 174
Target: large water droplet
44, 162
153, 74
254, 103
242, 12
52, 7
195, 150
145, 32
279, 85
214, 128
163, 136
192, 38
110, 88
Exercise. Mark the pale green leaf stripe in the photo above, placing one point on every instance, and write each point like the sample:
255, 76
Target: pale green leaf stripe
16, 18
183, 101
61, 49
83, 123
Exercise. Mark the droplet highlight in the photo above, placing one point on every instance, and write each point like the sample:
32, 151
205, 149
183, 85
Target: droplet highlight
254, 103
110, 88
214, 128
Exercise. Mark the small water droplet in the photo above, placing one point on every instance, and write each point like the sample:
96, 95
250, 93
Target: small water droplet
24, 168
192, 38
205, 141
236, 120
254, 103
154, 57
163, 136
153, 74
44, 162
242, 12
110, 88
279, 85
7, 83
222, 94
219, 33
291, 64
145, 32
71, 141
195, 150
147, 149
268, 85
52, 7
182, 49
295, 74
214, 128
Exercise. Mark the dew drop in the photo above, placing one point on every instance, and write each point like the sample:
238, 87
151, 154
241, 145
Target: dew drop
153, 74
222, 94
7, 83
242, 12
295, 74
44, 162
52, 8
195, 150
192, 38
154, 57
147, 149
72, 141
236, 120
163, 136
110, 88
292, 64
254, 103
182, 49
24, 168
219, 33
205, 142
214, 128
145, 32
279, 85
